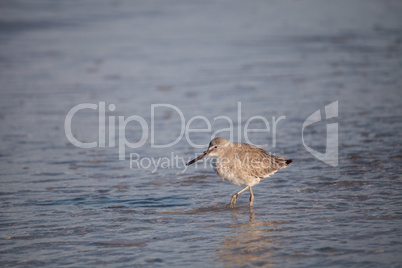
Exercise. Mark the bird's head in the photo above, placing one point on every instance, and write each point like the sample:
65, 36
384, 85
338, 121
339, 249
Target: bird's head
216, 148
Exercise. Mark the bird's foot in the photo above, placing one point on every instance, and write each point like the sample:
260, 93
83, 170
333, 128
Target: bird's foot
251, 201
251, 197
233, 201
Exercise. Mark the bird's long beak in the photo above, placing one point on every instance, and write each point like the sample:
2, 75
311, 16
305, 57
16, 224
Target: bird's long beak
198, 158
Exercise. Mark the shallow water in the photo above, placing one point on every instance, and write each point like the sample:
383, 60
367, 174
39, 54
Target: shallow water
64, 205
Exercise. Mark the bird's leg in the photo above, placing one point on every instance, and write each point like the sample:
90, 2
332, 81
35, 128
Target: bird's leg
251, 197
234, 197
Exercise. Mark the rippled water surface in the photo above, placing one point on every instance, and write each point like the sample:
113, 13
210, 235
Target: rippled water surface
67, 206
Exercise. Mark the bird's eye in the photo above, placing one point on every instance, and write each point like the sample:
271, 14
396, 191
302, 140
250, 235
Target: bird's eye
216, 146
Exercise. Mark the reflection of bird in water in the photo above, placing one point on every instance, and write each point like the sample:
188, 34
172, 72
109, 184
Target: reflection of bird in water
249, 243
242, 164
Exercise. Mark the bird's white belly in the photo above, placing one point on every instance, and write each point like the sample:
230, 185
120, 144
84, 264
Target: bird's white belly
231, 177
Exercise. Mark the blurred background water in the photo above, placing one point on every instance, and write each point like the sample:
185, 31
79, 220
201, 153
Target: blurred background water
69, 206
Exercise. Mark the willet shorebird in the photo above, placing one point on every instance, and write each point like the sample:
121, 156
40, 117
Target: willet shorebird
242, 164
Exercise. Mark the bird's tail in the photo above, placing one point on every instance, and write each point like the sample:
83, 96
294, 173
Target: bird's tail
288, 161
